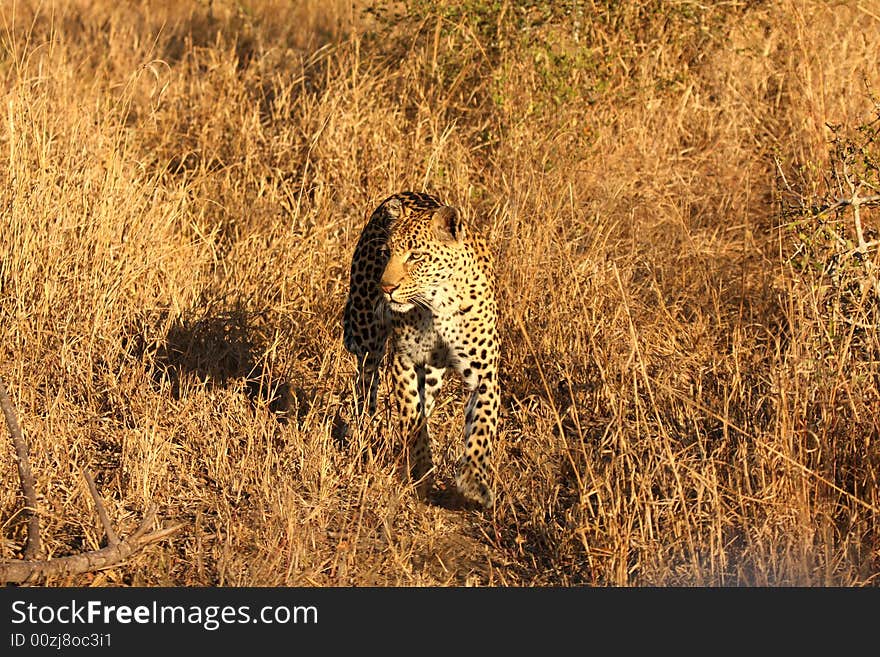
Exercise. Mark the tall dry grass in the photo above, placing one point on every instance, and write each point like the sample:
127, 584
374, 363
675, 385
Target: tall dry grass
684, 401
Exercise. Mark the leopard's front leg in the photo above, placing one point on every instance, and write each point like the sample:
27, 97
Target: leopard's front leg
406, 381
474, 473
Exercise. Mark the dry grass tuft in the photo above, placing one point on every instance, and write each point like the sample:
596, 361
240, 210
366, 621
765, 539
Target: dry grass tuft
691, 372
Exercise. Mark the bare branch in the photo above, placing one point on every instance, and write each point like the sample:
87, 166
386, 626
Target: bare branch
146, 522
855, 201
28, 571
25, 476
112, 538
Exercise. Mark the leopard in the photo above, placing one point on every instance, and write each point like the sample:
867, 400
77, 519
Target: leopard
422, 288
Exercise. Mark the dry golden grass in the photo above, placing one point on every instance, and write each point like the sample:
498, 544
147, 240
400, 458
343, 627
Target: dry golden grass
183, 184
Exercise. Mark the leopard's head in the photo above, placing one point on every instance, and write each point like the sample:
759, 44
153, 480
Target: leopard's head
425, 249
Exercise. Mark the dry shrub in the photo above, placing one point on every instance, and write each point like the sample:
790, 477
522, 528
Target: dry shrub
185, 183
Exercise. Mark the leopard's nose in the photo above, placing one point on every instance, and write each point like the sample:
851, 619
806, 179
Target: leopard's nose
388, 288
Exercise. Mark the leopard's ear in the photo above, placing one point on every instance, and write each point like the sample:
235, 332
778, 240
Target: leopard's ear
393, 206
448, 226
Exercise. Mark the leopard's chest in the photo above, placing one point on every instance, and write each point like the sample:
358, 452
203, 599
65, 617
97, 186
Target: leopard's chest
425, 338
415, 335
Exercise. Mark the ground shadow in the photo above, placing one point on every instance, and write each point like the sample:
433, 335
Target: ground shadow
219, 349
446, 496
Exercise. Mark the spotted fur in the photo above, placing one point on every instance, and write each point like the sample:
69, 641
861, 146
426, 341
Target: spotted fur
423, 284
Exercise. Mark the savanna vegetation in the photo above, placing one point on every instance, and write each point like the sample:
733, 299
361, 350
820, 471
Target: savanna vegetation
683, 201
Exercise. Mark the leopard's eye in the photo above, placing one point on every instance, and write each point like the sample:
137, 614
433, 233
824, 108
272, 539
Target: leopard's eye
415, 257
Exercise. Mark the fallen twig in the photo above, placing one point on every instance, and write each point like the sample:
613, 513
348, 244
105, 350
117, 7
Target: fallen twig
24, 571
30, 569
25, 476
112, 537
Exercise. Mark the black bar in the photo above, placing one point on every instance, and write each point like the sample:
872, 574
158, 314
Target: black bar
392, 620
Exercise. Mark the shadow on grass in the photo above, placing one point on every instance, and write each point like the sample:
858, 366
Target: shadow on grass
221, 350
